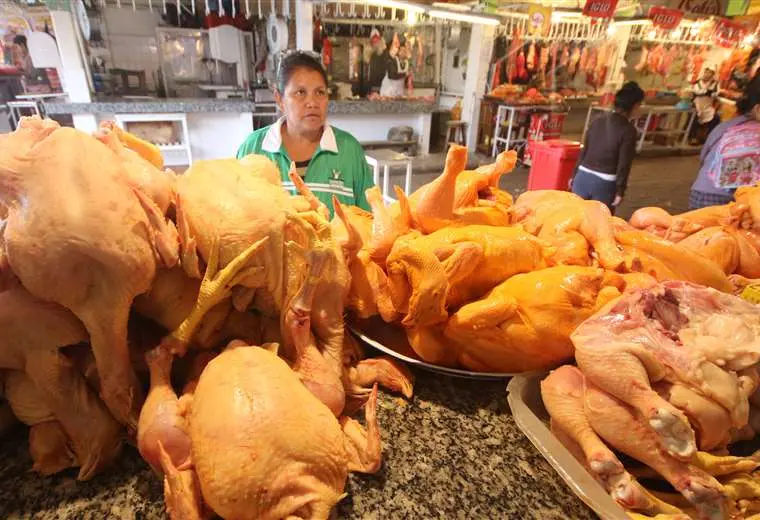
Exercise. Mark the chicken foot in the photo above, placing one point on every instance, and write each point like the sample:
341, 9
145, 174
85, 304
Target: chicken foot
384, 371
216, 286
306, 193
364, 447
619, 426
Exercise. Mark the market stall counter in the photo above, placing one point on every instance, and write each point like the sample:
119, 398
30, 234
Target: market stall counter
453, 451
214, 128
657, 126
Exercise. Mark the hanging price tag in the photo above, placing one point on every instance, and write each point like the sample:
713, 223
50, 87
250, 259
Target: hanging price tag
600, 8
665, 18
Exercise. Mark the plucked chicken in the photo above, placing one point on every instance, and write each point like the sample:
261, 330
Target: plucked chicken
429, 274
90, 245
54, 386
522, 324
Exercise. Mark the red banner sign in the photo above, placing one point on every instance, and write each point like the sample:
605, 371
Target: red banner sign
600, 8
728, 33
665, 18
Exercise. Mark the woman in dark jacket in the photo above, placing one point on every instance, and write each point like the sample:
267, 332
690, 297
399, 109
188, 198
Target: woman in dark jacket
608, 151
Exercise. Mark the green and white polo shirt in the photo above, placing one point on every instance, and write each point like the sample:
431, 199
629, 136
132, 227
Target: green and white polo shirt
338, 167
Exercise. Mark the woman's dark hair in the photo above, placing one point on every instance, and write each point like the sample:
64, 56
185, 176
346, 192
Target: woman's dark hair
20, 39
750, 97
294, 61
628, 96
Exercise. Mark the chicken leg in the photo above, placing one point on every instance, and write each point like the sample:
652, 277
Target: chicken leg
674, 431
162, 427
433, 205
216, 286
363, 447
310, 363
563, 394
619, 426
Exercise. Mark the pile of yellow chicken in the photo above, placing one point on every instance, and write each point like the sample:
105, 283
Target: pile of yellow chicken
224, 290
487, 283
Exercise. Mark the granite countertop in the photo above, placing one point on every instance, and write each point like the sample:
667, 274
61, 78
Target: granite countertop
454, 451
157, 106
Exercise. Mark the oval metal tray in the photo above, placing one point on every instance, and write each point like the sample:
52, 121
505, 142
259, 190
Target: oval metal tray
391, 339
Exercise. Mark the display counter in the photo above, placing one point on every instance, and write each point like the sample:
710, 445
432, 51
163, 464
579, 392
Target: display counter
216, 127
454, 451
658, 126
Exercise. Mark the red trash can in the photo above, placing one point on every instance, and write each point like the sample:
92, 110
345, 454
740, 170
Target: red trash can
553, 164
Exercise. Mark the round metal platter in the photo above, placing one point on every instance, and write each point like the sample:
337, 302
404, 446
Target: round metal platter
367, 331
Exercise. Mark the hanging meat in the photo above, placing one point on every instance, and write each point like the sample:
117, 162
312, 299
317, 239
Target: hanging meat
656, 57
565, 59
583, 60
575, 58
522, 71
697, 62
514, 48
420, 54
543, 62
530, 59
641, 66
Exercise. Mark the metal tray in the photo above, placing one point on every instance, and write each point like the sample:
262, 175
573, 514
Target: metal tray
524, 398
391, 339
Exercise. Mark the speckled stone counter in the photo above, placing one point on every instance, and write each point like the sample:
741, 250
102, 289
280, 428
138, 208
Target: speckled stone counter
121, 106
453, 452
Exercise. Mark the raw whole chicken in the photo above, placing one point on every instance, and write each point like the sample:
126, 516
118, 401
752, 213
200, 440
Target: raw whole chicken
665, 260
103, 238
49, 381
291, 437
523, 324
662, 372
457, 265
681, 334
252, 234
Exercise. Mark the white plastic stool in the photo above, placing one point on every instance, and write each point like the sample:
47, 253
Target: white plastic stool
388, 159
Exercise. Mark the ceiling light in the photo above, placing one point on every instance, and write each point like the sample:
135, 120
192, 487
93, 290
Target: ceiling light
452, 7
463, 17
398, 4
411, 17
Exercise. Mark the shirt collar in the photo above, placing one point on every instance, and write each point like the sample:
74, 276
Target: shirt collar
273, 139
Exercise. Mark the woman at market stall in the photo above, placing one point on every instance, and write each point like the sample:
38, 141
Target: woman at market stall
605, 162
742, 131
705, 92
330, 161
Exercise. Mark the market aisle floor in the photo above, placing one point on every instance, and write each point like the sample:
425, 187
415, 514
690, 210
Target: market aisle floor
654, 181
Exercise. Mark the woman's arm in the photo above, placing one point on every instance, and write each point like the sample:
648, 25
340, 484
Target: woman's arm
625, 159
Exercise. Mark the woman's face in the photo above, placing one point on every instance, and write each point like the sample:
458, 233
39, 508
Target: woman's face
304, 102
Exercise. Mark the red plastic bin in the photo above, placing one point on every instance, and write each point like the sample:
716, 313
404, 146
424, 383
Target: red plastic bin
552, 164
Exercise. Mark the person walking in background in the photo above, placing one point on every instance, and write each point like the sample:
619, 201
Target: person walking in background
705, 90
743, 131
605, 161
